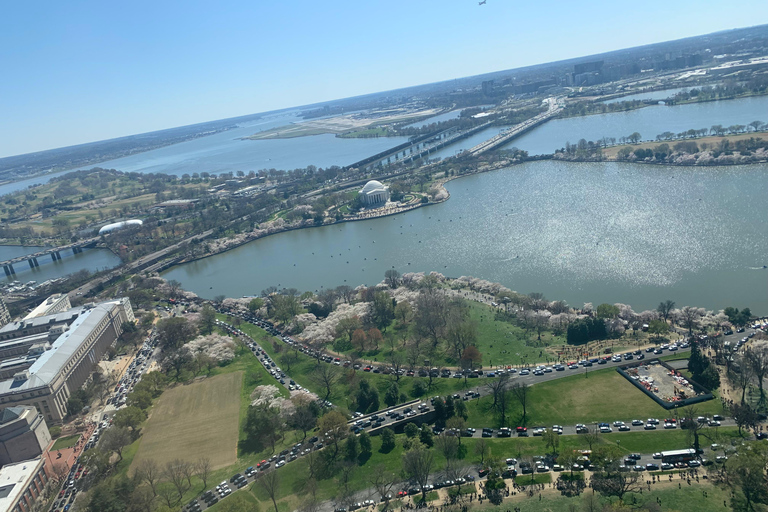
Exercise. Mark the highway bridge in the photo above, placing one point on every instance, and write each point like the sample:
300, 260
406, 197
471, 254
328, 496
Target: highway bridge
419, 148
53, 252
510, 133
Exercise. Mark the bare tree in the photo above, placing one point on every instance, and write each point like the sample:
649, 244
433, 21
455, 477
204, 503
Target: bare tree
693, 428
115, 439
500, 395
147, 471
383, 481
417, 465
740, 374
757, 359
481, 450
591, 437
432, 313
689, 317
143, 498
270, 482
175, 471
447, 445
520, 392
203, 468
326, 376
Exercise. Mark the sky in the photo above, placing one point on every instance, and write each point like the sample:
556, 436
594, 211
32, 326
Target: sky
80, 71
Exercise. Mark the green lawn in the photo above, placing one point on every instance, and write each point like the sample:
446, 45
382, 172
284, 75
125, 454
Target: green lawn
599, 395
688, 499
65, 442
533, 478
300, 367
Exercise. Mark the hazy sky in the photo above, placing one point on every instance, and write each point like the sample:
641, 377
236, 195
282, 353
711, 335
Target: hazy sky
80, 71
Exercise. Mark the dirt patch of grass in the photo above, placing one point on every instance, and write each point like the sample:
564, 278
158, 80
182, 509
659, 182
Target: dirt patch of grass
193, 421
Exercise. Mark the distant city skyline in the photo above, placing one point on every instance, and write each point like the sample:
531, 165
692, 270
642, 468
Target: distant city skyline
86, 71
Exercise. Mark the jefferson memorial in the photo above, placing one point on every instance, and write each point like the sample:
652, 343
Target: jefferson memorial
374, 193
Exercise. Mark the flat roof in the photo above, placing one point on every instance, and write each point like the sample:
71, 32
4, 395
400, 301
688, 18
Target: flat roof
39, 321
14, 480
49, 364
43, 306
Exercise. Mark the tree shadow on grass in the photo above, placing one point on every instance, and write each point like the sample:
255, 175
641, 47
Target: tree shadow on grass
249, 446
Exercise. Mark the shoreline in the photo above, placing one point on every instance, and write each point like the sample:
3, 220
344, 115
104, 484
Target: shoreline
440, 185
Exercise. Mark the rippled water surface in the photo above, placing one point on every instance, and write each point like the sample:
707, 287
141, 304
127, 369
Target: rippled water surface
592, 232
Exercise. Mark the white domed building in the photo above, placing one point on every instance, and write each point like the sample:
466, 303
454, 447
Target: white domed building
374, 193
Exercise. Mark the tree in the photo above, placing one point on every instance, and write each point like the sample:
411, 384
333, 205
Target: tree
304, 419
520, 392
471, 357
140, 399
501, 397
746, 471
130, 417
207, 319
634, 137
264, 426
692, 426
147, 471
741, 375
757, 359
325, 376
403, 312
174, 332
461, 333
204, 468
270, 482
285, 307
387, 440
616, 483
176, 471
591, 437
374, 337
426, 437
744, 416
351, 448
382, 310
482, 450
333, 425
551, 440
348, 326
417, 465
383, 481
607, 311
255, 304
392, 396
115, 439
366, 447
665, 308
657, 328
358, 339
432, 313
689, 317
392, 277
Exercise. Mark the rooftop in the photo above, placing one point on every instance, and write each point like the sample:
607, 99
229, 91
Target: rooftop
14, 480
49, 364
56, 318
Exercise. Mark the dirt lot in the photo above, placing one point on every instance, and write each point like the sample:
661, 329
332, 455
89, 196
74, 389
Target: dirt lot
193, 421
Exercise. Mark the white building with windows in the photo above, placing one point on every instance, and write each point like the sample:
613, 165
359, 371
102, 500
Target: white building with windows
374, 193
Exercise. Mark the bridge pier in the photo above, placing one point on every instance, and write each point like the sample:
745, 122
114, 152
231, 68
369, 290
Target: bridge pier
77, 250
31, 263
9, 269
53, 256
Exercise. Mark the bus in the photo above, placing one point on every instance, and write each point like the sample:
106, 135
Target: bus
675, 456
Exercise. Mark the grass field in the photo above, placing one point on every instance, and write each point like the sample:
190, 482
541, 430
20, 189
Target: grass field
687, 499
603, 395
65, 442
193, 421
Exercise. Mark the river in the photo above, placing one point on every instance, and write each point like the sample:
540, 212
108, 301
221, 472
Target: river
89, 259
581, 232
648, 121
225, 152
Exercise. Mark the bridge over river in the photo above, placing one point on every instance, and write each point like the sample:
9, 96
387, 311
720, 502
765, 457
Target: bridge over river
54, 252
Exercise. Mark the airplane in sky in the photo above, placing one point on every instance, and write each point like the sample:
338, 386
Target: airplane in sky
482, 3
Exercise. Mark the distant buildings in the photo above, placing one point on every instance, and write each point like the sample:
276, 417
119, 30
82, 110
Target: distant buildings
21, 484
374, 193
61, 351
23, 434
